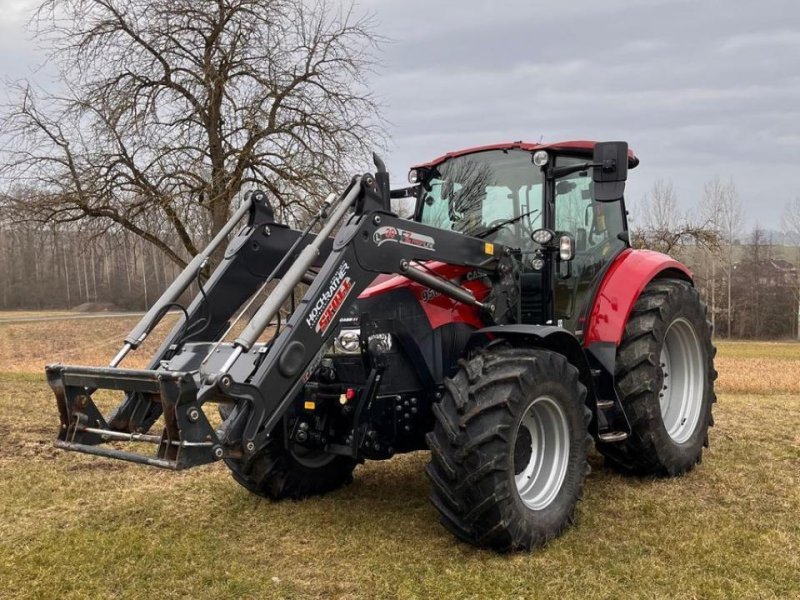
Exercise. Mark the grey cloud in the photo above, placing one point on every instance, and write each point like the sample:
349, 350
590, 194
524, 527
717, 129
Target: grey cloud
700, 89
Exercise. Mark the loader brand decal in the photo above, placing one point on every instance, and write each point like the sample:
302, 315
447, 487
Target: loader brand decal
388, 233
331, 300
428, 294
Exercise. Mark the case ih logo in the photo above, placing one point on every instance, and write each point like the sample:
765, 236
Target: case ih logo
330, 301
401, 236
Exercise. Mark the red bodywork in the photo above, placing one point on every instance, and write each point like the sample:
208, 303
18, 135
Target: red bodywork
582, 146
439, 309
624, 280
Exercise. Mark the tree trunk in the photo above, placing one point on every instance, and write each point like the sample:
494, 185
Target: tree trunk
713, 295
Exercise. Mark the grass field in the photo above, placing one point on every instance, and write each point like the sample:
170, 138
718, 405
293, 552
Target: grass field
74, 527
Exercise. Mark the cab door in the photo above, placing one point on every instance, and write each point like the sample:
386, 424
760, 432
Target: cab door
596, 227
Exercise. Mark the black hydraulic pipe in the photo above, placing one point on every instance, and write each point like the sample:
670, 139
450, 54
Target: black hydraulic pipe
440, 285
181, 283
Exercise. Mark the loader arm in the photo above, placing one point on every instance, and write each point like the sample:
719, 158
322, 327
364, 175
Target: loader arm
262, 380
251, 256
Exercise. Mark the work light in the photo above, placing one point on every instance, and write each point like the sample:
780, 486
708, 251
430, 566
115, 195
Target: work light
542, 236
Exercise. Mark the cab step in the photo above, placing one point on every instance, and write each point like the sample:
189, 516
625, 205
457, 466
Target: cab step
613, 436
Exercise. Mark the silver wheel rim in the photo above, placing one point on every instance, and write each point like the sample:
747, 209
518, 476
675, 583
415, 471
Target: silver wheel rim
541, 453
683, 366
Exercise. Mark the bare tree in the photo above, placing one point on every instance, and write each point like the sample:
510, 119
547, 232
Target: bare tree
714, 193
169, 108
791, 226
726, 211
665, 228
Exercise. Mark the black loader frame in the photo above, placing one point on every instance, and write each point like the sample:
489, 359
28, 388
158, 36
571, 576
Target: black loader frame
259, 381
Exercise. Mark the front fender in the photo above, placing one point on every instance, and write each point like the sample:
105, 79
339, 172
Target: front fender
624, 281
548, 337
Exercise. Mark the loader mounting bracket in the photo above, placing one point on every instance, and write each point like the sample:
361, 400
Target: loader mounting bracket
187, 439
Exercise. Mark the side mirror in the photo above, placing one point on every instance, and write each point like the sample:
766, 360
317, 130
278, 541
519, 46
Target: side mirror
611, 171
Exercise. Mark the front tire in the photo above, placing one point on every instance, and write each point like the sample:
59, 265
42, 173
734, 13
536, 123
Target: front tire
279, 473
665, 379
509, 448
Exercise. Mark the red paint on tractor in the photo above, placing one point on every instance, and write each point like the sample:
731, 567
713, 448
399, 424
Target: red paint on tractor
625, 279
439, 309
586, 146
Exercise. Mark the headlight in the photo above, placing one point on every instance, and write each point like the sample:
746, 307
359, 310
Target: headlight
542, 236
348, 341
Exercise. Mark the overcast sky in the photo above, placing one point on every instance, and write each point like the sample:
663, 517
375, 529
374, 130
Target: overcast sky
698, 88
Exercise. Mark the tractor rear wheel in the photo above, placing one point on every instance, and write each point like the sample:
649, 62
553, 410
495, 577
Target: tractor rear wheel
509, 448
665, 379
295, 473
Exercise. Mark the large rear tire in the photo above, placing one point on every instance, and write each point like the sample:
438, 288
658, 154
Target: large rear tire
295, 473
665, 378
509, 448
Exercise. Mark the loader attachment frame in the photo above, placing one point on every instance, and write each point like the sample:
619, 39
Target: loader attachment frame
261, 380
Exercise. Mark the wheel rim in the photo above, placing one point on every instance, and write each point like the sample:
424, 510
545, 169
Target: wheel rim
541, 453
683, 366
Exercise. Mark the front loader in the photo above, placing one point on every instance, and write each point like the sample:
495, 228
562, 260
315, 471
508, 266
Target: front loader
504, 327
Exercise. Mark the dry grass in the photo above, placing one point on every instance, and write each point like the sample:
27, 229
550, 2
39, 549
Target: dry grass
758, 367
74, 526
26, 347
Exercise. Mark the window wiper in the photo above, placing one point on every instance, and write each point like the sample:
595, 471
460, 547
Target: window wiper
502, 224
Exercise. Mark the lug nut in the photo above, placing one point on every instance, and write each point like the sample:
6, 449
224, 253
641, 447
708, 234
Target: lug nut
218, 452
250, 446
193, 414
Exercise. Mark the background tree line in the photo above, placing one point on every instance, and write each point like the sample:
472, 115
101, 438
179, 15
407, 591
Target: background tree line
750, 279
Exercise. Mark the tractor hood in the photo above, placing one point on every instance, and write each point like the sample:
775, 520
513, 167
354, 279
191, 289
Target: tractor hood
440, 309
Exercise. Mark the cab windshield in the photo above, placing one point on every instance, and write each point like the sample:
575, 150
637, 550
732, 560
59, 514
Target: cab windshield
473, 194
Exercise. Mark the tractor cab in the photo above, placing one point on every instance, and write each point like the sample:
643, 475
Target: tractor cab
541, 201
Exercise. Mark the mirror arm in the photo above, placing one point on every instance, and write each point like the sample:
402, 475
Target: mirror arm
554, 173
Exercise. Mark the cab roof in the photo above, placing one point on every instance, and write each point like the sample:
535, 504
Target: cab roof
582, 146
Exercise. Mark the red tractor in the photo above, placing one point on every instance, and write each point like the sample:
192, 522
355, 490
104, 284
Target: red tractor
505, 327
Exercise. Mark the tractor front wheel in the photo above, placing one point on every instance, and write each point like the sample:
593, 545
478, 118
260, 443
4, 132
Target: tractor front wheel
294, 473
509, 448
665, 379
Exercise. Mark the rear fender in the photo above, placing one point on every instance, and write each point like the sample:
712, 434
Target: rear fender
548, 337
624, 281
